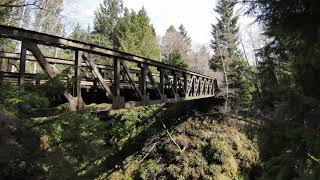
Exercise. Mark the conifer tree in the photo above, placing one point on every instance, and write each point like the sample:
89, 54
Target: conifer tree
175, 47
138, 35
106, 22
227, 56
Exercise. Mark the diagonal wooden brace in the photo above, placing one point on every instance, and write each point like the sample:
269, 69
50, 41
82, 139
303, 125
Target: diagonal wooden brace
47, 68
94, 70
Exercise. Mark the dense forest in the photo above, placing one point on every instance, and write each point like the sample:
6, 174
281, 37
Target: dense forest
267, 125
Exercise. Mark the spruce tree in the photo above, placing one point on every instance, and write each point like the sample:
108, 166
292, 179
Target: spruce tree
227, 56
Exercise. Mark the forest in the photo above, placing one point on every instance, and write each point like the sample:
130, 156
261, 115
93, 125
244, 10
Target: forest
265, 125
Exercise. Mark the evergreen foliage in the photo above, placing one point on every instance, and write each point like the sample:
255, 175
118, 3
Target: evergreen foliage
175, 47
138, 35
106, 22
289, 76
227, 57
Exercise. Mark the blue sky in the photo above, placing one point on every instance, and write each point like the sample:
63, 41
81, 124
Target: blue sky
196, 15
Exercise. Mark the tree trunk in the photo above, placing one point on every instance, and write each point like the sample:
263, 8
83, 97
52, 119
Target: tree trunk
225, 75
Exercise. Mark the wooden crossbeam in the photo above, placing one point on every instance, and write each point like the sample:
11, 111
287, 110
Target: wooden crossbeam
94, 70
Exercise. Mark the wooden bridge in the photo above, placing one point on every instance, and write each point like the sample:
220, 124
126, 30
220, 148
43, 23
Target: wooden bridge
120, 79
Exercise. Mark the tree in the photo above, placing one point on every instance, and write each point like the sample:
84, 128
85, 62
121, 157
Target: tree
138, 35
227, 56
173, 43
106, 22
290, 76
184, 34
80, 34
199, 61
47, 19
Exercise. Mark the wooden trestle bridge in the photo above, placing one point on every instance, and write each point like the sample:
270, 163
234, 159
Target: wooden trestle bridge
113, 82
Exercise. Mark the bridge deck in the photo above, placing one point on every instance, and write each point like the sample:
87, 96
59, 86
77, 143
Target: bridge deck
146, 82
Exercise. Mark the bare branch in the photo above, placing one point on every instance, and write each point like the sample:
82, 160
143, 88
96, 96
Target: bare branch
154, 145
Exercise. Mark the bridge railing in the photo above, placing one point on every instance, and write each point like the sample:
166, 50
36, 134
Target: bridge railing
167, 84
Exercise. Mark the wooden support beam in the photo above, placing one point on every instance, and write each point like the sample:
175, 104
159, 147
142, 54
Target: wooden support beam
169, 83
175, 82
129, 75
185, 83
196, 86
77, 84
207, 86
1, 77
143, 83
143, 79
116, 77
201, 83
46, 67
161, 81
210, 86
190, 82
118, 101
22, 64
153, 82
94, 70
215, 85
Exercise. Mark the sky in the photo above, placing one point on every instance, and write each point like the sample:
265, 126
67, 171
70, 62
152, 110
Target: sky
196, 15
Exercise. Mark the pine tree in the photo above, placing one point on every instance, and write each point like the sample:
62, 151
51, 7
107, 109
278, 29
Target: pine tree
228, 58
106, 23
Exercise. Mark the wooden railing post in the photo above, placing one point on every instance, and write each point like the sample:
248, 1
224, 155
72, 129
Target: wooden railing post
22, 64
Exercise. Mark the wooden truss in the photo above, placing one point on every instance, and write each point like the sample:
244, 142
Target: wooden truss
152, 82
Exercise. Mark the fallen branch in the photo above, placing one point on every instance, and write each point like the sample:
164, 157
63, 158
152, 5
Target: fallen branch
171, 137
154, 145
